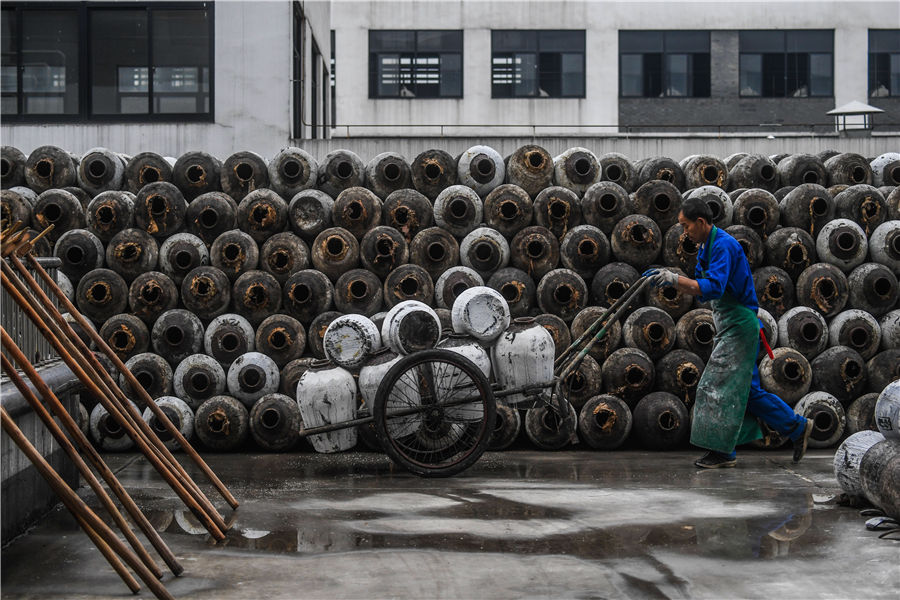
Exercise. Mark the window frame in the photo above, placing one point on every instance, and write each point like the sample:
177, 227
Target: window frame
665, 74
872, 67
786, 53
85, 75
536, 53
373, 64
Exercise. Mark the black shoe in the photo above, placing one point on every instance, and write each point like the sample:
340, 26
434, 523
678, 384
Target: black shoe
801, 442
715, 460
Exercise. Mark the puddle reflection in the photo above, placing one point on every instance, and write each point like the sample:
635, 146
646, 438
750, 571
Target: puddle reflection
487, 521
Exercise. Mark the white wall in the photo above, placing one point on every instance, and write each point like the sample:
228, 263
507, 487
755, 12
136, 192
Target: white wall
361, 116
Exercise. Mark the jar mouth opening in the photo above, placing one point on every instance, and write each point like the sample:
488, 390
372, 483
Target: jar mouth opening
524, 320
319, 363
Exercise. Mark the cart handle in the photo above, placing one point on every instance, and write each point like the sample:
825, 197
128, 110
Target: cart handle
596, 324
620, 305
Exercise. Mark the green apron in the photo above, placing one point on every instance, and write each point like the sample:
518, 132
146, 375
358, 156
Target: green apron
720, 419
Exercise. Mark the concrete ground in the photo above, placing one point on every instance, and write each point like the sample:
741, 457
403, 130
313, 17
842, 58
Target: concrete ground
519, 524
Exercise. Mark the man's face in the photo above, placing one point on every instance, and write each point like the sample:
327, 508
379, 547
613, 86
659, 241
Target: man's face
697, 230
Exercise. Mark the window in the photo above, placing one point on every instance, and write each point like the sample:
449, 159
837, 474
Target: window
537, 64
786, 64
98, 61
415, 64
884, 62
657, 64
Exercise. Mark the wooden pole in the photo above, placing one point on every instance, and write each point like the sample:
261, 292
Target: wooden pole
93, 383
77, 506
92, 455
132, 381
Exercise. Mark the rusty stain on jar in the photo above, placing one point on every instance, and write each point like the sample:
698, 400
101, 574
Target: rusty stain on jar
823, 303
97, 298
116, 336
611, 416
203, 287
219, 423
262, 215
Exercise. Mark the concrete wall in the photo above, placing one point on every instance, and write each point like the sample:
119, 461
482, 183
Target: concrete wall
599, 112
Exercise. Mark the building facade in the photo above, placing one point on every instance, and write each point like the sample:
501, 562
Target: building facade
231, 75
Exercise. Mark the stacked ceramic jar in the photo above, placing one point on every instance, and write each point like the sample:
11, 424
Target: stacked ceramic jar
218, 280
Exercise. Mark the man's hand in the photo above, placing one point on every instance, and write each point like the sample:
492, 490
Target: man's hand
661, 277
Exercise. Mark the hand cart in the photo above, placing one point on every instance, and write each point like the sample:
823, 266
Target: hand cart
434, 411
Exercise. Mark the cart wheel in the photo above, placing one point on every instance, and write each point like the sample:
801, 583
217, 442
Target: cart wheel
434, 413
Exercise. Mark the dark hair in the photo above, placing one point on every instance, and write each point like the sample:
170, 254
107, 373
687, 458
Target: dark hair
695, 208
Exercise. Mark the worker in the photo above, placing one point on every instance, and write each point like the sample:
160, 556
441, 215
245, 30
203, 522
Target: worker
729, 396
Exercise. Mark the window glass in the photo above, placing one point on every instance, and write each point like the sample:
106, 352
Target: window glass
451, 75
511, 40
793, 64
895, 74
884, 40
525, 75
181, 61
632, 75
884, 62
50, 61
546, 64
751, 74
572, 74
386, 41
639, 42
415, 64
9, 83
809, 41
761, 41
667, 63
687, 41
653, 75
437, 41
677, 68
119, 62
820, 77
561, 41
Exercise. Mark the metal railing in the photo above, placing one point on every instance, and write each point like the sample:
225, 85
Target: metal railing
590, 129
19, 326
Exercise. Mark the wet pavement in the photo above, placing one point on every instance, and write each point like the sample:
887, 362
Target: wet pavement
519, 524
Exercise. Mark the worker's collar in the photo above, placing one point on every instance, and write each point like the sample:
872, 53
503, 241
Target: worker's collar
709, 234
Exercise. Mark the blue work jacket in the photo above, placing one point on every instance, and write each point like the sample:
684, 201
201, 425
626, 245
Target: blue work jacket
727, 270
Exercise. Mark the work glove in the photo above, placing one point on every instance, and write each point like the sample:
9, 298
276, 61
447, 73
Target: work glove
661, 277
